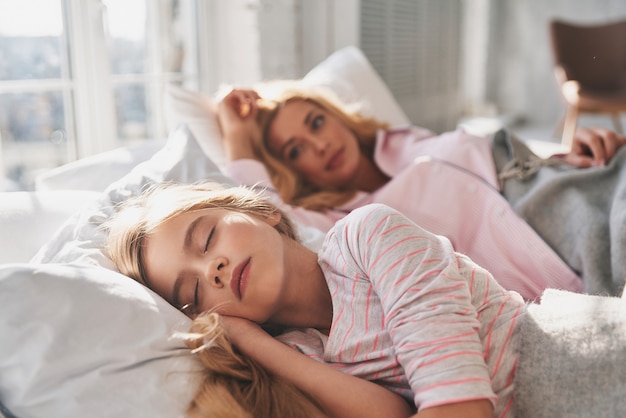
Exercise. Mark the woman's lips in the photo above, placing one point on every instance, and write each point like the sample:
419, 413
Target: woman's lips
239, 278
335, 161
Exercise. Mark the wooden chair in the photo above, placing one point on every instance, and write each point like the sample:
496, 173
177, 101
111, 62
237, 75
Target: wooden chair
590, 67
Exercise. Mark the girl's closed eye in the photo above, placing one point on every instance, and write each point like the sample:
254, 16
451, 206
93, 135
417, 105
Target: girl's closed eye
190, 307
208, 241
195, 296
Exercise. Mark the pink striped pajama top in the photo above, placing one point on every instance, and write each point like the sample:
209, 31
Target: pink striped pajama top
413, 315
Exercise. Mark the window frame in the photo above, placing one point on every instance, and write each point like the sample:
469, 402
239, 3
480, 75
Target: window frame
88, 87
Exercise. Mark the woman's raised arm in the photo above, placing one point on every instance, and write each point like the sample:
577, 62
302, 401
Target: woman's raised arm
236, 115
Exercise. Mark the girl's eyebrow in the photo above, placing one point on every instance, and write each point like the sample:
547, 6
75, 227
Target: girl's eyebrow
191, 229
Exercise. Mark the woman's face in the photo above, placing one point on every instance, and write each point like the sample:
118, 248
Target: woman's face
217, 259
315, 144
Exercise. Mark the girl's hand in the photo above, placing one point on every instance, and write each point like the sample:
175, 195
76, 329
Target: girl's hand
241, 331
593, 147
236, 114
340, 394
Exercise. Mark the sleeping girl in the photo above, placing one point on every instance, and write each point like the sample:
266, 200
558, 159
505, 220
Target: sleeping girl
387, 319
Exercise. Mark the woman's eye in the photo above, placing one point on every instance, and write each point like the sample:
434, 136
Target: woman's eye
317, 122
208, 240
294, 152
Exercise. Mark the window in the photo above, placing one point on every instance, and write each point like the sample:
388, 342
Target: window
32, 86
79, 77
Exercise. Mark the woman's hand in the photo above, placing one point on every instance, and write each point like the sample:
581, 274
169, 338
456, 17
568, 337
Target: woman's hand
236, 114
593, 147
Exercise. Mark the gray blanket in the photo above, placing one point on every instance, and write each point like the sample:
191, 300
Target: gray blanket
580, 213
572, 358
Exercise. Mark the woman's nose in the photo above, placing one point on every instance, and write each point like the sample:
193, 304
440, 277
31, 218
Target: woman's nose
320, 145
216, 274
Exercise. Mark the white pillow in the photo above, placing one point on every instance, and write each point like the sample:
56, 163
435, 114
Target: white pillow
199, 113
34, 217
98, 171
78, 338
346, 72
89, 342
349, 74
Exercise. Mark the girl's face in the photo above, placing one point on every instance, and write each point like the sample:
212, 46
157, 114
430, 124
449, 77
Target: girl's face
315, 144
218, 259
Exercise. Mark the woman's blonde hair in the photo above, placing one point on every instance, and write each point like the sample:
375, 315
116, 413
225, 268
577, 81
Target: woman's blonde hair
291, 186
233, 385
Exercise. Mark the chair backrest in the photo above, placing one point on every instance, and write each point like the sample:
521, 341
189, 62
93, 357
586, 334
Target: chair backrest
594, 55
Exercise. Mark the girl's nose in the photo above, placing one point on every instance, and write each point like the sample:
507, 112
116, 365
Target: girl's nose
216, 274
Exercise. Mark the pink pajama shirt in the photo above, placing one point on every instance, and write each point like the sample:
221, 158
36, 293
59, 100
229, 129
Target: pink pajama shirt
446, 184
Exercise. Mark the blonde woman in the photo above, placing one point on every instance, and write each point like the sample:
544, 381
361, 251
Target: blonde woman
533, 223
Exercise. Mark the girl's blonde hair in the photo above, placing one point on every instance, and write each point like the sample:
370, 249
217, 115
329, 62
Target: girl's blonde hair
138, 217
291, 186
233, 385
236, 386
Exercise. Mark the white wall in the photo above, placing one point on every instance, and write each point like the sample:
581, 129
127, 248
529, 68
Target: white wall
228, 37
253, 40
295, 35
505, 65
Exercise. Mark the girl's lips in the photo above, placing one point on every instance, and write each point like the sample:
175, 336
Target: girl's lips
239, 278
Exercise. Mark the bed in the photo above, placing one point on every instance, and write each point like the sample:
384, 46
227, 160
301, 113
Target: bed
78, 338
